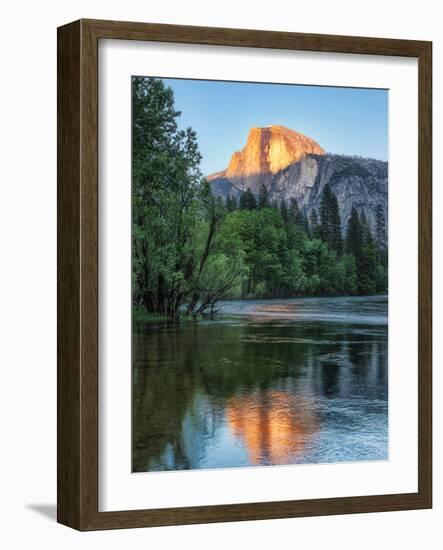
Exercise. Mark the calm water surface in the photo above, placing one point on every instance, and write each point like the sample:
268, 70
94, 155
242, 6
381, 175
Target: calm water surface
262, 383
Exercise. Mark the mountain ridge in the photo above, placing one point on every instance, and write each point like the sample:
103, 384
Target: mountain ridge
356, 181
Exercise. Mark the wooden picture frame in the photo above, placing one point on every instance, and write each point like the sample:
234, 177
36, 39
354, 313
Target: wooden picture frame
78, 274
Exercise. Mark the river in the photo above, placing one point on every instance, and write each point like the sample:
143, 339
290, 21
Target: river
263, 382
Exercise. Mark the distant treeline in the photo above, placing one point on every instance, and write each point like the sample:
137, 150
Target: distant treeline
190, 249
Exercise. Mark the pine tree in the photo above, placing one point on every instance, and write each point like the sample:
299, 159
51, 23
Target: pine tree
335, 239
365, 229
304, 223
284, 211
330, 223
324, 212
247, 200
354, 241
314, 226
380, 226
231, 203
242, 201
263, 197
251, 200
380, 235
367, 270
360, 244
381, 250
294, 211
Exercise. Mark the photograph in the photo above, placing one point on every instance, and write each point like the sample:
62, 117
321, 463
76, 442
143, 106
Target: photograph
220, 226
259, 274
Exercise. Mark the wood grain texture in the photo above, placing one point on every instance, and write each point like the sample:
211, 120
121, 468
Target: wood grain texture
78, 272
425, 273
254, 38
68, 275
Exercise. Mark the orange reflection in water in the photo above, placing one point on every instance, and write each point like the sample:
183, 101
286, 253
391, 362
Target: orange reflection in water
274, 425
276, 308
262, 312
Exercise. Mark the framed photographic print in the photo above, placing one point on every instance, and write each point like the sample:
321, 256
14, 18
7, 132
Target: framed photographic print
244, 275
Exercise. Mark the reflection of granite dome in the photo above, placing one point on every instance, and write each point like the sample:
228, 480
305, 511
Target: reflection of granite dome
273, 425
269, 150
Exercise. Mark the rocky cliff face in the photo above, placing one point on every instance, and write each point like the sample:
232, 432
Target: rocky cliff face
269, 150
291, 165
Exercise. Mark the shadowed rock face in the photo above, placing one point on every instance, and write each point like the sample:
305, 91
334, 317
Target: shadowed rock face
291, 165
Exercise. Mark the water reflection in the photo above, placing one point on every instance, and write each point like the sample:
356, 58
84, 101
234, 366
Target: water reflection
238, 391
273, 425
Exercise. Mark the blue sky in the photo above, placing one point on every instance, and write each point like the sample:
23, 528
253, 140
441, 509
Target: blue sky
347, 121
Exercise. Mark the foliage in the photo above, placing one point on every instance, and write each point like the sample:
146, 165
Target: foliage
174, 215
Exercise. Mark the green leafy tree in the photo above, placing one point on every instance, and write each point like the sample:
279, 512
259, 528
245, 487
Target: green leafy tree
295, 237
165, 187
321, 268
214, 212
293, 280
223, 267
263, 238
349, 269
